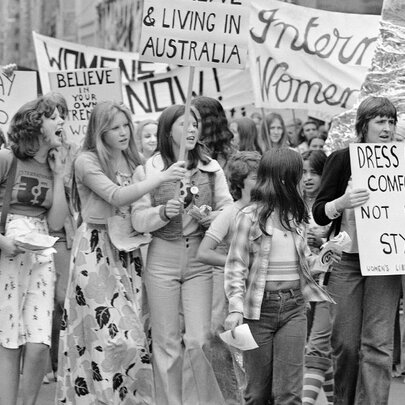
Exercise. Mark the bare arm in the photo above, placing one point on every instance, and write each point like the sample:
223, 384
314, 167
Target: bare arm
59, 208
208, 254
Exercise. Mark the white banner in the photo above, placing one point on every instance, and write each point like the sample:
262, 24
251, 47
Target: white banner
380, 223
54, 55
146, 90
193, 33
307, 58
150, 97
15, 90
83, 89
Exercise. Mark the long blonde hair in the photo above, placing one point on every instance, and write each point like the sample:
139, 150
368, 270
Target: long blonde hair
99, 123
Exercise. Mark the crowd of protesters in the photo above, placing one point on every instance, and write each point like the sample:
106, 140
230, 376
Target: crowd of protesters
229, 233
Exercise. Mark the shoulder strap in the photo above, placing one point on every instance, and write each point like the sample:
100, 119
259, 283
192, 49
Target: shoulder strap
211, 176
7, 194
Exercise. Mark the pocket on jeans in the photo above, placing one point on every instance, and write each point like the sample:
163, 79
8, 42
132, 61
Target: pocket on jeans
299, 300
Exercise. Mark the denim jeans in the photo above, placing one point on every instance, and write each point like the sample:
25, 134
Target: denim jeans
318, 353
362, 333
275, 369
175, 281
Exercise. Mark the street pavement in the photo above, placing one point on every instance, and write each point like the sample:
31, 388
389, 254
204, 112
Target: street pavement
397, 394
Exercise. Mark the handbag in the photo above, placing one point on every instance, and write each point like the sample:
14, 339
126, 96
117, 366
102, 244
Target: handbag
7, 195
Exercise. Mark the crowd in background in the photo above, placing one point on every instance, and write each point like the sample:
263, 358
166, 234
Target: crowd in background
226, 234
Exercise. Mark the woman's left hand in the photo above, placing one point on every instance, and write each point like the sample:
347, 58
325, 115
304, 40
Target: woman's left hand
56, 161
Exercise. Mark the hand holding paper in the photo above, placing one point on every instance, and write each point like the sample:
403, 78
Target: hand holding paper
242, 340
332, 250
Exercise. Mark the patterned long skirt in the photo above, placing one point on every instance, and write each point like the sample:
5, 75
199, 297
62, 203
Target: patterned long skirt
104, 353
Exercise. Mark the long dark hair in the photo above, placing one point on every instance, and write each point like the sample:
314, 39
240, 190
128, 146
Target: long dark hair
215, 134
316, 159
248, 135
278, 177
265, 129
165, 143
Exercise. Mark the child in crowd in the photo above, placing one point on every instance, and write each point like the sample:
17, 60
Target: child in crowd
269, 275
241, 173
318, 356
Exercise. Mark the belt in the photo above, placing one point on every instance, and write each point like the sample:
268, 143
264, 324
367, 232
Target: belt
278, 294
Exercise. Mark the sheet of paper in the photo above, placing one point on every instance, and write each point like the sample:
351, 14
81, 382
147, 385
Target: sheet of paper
243, 338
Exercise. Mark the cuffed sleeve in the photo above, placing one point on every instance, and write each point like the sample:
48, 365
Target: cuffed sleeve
237, 265
145, 217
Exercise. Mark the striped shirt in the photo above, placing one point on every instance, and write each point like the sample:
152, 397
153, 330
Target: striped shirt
283, 257
248, 260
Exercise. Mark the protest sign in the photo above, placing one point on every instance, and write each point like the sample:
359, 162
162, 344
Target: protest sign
82, 89
15, 90
148, 88
151, 96
307, 58
54, 55
195, 33
380, 223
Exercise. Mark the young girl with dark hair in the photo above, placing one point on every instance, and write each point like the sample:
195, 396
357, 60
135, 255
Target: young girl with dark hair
103, 353
178, 285
269, 275
318, 353
26, 278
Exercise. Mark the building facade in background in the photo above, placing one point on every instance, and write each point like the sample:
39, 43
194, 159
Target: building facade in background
109, 24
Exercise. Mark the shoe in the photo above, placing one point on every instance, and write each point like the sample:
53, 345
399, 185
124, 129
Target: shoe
45, 380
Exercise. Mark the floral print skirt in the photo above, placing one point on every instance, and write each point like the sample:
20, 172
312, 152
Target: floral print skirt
27, 283
103, 352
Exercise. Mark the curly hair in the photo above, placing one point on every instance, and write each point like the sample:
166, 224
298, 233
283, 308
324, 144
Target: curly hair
240, 165
25, 126
215, 133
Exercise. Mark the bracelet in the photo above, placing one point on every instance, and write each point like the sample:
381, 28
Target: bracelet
236, 312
